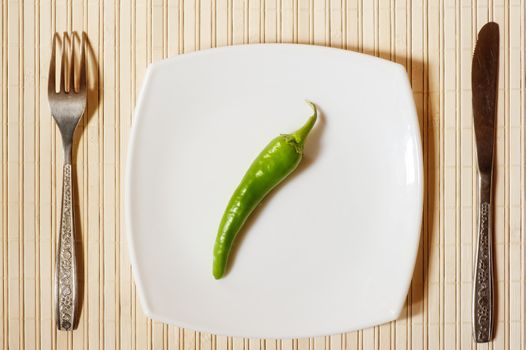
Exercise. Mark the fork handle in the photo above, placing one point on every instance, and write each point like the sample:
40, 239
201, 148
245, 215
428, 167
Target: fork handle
483, 311
66, 268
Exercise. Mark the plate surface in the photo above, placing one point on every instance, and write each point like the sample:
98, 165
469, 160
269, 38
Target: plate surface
333, 248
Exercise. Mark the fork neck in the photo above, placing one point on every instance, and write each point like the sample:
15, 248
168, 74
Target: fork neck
67, 153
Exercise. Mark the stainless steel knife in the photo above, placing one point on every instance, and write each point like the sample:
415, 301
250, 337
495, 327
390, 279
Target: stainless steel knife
484, 84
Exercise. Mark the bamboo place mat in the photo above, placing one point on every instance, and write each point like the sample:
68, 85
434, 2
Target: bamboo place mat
434, 40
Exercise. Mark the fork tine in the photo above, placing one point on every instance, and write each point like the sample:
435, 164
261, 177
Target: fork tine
72, 63
63, 63
83, 73
51, 85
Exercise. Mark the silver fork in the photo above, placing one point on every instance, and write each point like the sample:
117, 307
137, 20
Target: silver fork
67, 107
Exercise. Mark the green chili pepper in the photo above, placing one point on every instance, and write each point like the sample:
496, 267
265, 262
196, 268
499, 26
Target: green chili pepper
281, 156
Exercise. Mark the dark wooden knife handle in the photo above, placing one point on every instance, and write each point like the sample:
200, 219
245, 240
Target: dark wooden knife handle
483, 311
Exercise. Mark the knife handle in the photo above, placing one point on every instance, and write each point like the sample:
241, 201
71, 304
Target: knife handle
483, 288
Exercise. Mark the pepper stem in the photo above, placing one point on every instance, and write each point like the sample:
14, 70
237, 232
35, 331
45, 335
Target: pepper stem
302, 133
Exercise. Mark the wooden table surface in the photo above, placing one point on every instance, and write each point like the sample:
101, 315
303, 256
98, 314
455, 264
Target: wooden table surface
434, 40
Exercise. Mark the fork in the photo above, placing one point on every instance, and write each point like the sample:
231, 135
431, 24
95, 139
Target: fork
67, 107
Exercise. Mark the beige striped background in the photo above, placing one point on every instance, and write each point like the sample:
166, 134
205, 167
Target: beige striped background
434, 39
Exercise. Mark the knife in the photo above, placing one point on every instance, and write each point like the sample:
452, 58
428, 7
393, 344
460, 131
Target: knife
484, 84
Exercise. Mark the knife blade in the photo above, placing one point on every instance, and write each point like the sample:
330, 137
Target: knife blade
484, 84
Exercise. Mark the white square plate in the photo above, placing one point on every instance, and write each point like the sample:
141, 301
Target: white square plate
333, 248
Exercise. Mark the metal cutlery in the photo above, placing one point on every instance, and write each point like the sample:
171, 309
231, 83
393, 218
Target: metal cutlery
67, 107
484, 81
